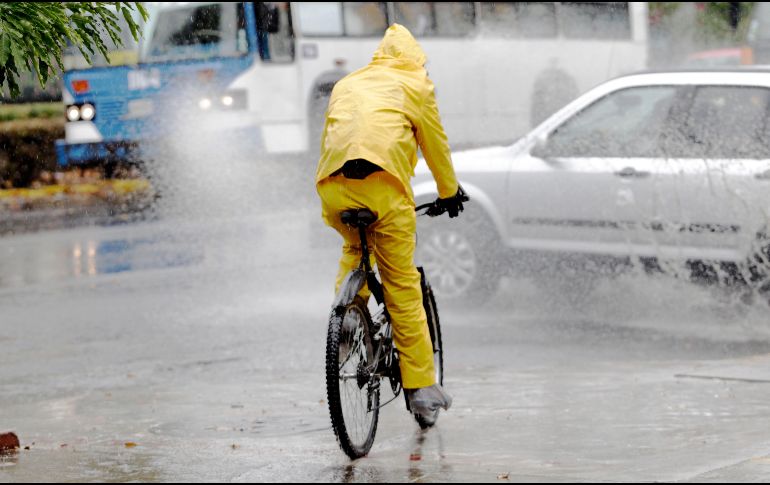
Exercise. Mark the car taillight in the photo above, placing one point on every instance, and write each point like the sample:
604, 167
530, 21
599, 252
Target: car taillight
80, 86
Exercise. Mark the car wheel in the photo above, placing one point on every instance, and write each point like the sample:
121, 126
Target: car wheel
461, 256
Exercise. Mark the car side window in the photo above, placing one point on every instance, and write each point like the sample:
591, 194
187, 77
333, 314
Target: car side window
625, 123
728, 122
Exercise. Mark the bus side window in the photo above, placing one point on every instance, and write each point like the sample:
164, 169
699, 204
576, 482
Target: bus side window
418, 17
429, 19
365, 19
275, 34
454, 18
595, 20
520, 19
338, 19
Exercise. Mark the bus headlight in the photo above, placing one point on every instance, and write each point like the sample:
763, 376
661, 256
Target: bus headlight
234, 99
229, 100
78, 112
87, 112
73, 113
204, 103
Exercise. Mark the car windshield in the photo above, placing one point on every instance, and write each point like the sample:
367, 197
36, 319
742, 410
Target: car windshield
198, 31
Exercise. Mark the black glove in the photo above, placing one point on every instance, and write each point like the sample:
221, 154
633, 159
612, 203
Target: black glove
453, 205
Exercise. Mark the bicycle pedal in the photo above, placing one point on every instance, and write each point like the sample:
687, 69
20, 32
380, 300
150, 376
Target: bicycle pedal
380, 318
382, 333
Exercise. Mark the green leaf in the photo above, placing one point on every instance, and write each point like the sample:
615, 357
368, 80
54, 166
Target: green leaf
33, 34
130, 22
5, 49
42, 72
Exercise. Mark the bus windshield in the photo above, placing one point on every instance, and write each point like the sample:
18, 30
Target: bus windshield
127, 54
197, 31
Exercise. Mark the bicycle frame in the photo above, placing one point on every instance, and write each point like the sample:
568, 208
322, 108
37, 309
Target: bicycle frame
355, 280
369, 343
385, 359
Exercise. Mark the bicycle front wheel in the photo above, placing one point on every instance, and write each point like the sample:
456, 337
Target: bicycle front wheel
353, 395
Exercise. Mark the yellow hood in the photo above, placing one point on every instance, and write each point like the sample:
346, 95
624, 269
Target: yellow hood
398, 43
383, 111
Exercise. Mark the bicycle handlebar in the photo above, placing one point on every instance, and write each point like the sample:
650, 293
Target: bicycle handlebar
428, 206
434, 209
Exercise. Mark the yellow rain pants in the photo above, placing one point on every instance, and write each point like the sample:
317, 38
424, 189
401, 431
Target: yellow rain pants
392, 240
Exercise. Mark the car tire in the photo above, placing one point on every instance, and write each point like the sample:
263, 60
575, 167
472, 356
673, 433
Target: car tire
461, 256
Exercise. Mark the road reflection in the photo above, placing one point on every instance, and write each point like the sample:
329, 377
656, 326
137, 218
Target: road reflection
30, 262
422, 459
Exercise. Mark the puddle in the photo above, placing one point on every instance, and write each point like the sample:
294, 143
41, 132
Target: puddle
30, 262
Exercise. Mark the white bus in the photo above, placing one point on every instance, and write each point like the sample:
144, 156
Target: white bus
499, 68
267, 68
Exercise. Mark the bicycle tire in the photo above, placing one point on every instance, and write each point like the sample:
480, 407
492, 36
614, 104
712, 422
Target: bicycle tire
354, 425
434, 326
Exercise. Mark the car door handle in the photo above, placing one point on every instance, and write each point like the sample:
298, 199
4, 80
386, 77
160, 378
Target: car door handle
763, 175
631, 172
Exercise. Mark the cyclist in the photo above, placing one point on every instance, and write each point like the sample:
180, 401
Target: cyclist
377, 116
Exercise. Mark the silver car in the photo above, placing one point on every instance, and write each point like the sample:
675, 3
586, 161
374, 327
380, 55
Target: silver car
667, 170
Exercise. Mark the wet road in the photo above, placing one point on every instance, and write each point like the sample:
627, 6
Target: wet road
191, 349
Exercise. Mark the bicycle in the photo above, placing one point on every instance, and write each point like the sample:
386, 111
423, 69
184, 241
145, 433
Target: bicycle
360, 352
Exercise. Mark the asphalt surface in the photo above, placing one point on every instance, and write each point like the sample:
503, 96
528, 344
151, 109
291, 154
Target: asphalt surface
190, 347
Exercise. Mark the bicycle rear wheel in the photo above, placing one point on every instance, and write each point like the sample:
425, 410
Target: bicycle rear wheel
431, 311
353, 400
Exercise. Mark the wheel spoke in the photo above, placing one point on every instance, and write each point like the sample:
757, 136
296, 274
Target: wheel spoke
358, 421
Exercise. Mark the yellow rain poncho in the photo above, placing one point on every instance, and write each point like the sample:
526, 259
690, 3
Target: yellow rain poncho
381, 113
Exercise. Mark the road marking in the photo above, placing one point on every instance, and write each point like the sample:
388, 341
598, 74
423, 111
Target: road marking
720, 378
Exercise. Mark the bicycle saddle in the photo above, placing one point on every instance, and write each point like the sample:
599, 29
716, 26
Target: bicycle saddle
358, 217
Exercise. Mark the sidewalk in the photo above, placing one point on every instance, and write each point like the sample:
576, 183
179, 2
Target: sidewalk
65, 205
